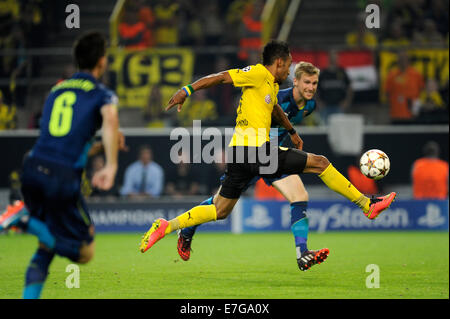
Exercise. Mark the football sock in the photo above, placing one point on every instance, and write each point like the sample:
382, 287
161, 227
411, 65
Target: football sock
299, 226
40, 230
338, 183
189, 232
37, 273
197, 215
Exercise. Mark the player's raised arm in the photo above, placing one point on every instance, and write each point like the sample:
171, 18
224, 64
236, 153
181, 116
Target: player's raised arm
104, 179
280, 117
203, 83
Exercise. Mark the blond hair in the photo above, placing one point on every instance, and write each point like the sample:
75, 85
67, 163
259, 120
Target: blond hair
307, 68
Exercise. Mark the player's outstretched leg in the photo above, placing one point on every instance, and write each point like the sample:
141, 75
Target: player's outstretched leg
292, 188
186, 235
37, 273
335, 181
299, 225
19, 216
161, 227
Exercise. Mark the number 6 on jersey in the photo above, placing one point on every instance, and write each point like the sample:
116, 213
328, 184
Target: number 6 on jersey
61, 117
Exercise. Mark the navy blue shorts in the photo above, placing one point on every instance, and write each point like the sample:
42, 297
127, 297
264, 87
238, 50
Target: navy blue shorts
52, 193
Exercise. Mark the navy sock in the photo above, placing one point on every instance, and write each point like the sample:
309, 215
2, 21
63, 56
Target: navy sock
37, 273
299, 226
189, 232
40, 230
62, 248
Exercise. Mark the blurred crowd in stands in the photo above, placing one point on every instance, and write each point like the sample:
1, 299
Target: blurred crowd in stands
24, 25
409, 95
146, 179
408, 22
167, 23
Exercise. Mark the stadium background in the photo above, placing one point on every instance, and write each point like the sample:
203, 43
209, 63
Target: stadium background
180, 41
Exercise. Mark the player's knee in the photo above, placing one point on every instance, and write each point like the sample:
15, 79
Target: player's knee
304, 196
85, 259
222, 213
86, 253
323, 162
296, 195
44, 247
320, 163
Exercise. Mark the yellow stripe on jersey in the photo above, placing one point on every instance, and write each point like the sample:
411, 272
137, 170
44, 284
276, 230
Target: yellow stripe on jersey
254, 113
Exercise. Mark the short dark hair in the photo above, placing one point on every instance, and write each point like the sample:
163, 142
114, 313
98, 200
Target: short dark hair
273, 50
88, 49
431, 149
145, 147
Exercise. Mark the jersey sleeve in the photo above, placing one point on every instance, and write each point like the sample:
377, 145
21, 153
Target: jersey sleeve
109, 97
251, 75
311, 107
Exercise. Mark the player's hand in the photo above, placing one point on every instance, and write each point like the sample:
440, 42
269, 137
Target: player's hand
297, 141
122, 146
104, 178
177, 99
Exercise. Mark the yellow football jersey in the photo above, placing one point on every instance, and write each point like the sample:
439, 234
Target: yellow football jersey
254, 113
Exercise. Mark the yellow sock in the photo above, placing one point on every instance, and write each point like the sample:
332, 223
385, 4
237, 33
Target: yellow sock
338, 183
197, 215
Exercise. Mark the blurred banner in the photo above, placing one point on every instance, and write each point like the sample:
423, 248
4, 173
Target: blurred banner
138, 217
359, 65
133, 74
252, 216
341, 216
346, 134
431, 63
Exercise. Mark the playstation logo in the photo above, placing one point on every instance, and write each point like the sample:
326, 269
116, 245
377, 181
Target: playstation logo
432, 218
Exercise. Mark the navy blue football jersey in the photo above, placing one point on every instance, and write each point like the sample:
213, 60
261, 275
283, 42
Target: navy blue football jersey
293, 112
70, 119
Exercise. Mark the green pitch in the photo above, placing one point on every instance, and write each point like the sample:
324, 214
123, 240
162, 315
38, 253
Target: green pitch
260, 266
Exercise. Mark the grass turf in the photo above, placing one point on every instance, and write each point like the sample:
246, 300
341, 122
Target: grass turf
248, 266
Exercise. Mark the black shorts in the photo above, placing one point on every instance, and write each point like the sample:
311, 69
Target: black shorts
267, 161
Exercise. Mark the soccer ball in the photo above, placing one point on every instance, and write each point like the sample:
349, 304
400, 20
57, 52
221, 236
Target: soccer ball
374, 164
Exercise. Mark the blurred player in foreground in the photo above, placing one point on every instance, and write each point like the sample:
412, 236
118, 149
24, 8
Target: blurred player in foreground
55, 210
257, 107
297, 102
